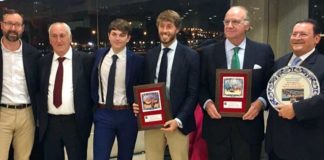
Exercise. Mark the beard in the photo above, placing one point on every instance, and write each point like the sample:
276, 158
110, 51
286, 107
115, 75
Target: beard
166, 39
12, 36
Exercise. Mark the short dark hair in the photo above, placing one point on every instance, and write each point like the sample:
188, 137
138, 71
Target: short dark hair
171, 16
120, 24
6, 11
316, 27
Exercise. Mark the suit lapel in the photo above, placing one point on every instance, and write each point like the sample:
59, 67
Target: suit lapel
47, 64
249, 58
155, 57
310, 60
75, 69
129, 68
177, 63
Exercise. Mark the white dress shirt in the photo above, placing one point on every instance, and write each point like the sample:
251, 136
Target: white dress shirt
120, 97
170, 55
14, 85
67, 106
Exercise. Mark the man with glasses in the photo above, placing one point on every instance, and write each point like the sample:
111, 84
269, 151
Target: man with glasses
18, 80
235, 138
296, 130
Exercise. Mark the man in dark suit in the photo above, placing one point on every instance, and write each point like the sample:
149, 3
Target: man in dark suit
227, 137
296, 130
65, 105
181, 76
18, 74
115, 72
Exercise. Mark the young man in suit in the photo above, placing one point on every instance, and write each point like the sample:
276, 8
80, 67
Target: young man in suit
227, 137
18, 80
115, 72
65, 105
296, 130
182, 80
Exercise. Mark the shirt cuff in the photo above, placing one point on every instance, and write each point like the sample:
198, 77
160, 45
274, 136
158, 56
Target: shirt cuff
179, 123
264, 102
205, 104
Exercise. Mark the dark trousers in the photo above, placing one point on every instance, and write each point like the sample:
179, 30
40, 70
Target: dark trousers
110, 124
233, 147
62, 132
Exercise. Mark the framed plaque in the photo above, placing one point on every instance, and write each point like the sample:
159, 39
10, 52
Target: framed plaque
154, 108
291, 84
233, 92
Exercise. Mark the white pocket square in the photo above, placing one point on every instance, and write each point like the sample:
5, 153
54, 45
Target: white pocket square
256, 66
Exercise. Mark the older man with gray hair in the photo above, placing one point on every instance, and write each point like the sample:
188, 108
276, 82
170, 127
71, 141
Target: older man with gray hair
65, 105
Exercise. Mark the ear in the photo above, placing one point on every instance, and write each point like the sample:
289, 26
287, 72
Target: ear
317, 38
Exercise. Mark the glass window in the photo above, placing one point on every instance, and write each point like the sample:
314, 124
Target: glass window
89, 20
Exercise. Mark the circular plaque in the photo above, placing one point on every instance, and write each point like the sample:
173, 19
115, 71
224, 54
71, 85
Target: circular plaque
291, 84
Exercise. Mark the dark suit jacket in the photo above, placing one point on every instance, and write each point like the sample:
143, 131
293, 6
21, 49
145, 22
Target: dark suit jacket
301, 138
134, 69
184, 83
30, 58
214, 57
81, 68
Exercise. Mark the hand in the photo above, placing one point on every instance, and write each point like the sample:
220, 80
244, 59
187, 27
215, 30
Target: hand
253, 111
135, 109
286, 111
212, 111
170, 126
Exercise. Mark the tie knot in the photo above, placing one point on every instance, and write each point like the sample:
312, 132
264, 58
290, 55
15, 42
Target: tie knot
61, 59
166, 50
114, 57
296, 61
236, 49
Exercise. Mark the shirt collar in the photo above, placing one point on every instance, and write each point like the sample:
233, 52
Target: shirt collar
229, 46
173, 45
304, 56
68, 55
120, 55
19, 50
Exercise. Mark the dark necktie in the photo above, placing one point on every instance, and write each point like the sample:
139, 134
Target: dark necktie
295, 61
57, 96
235, 59
111, 83
163, 66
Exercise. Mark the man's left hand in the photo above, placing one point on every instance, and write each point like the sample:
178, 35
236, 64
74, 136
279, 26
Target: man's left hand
286, 111
253, 111
170, 126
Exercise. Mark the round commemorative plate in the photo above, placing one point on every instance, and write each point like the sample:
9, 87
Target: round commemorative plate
291, 84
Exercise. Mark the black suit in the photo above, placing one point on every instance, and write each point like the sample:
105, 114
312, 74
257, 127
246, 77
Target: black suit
301, 138
214, 57
184, 83
81, 70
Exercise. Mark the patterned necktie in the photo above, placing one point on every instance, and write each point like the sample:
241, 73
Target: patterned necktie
163, 66
57, 95
235, 59
111, 83
295, 61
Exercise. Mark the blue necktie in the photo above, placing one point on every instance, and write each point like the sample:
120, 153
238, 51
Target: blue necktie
111, 83
163, 66
295, 61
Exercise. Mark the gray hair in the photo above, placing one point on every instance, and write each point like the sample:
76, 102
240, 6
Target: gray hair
67, 27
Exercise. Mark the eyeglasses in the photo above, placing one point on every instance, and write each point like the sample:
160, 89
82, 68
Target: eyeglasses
10, 24
234, 22
300, 34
